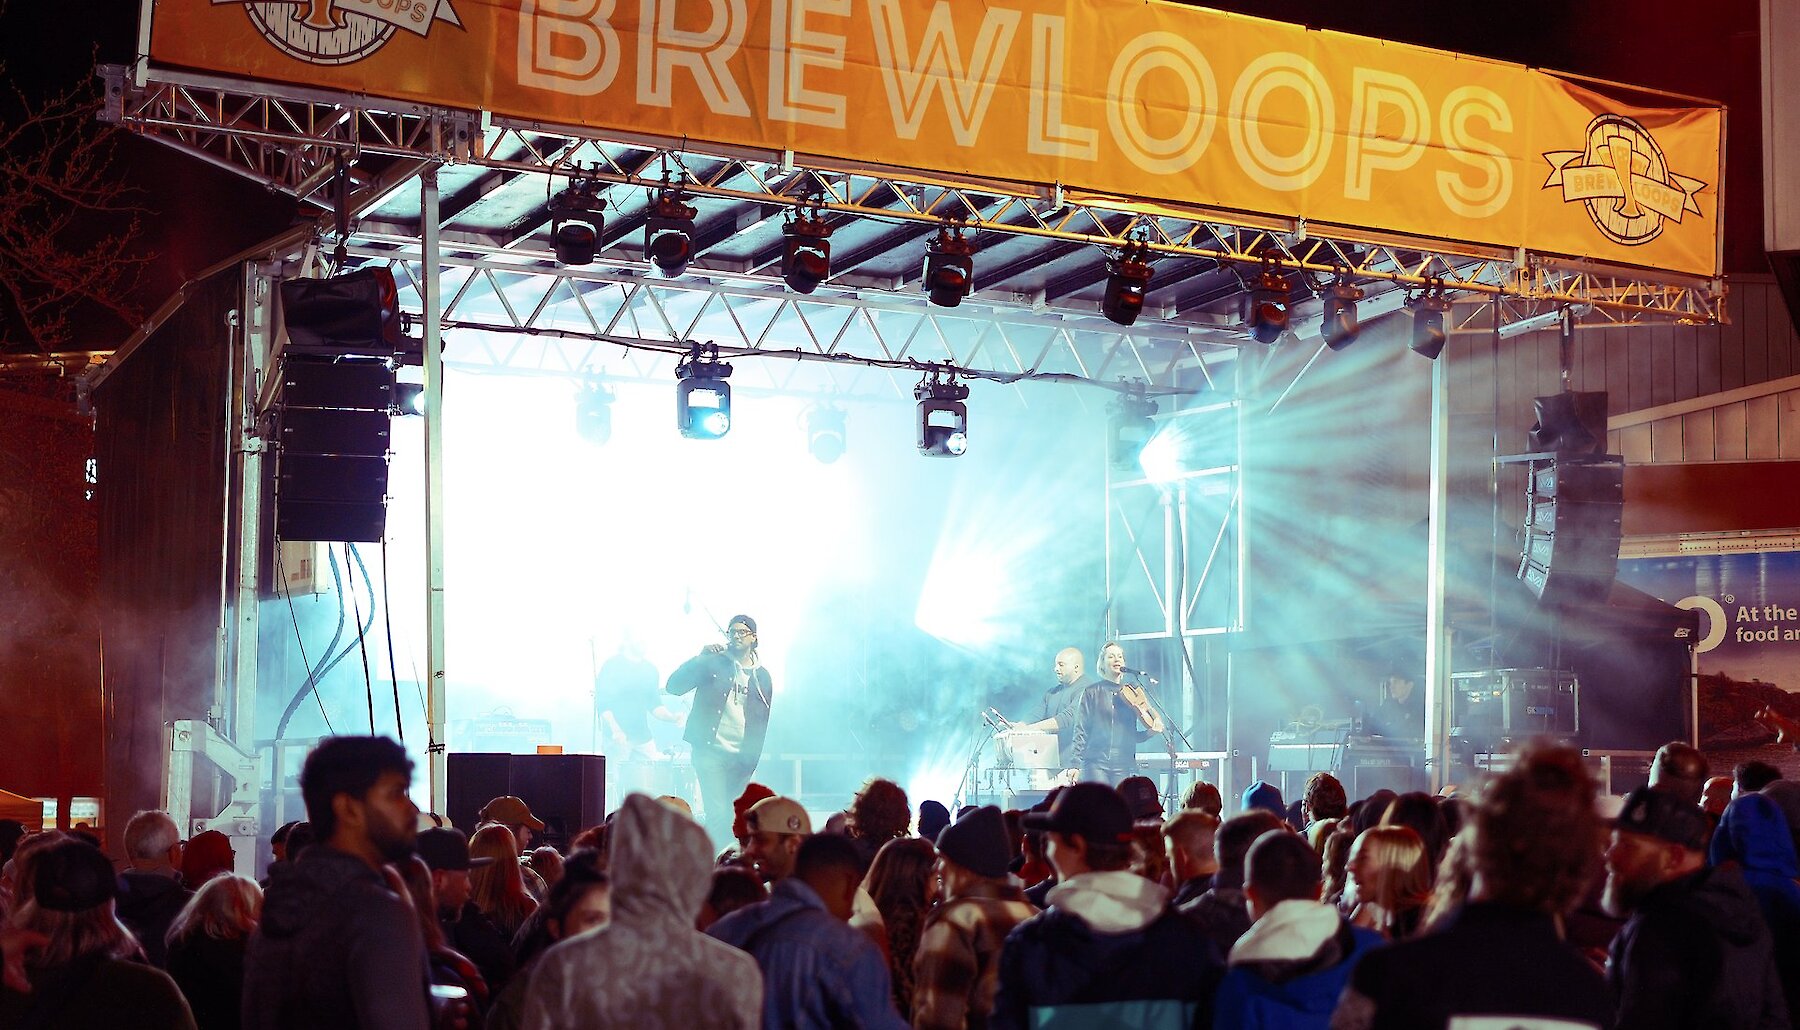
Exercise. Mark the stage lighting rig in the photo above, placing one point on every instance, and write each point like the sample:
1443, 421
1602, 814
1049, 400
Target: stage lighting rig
1127, 278
593, 411
409, 398
949, 268
806, 253
669, 233
702, 396
825, 437
576, 223
943, 417
1340, 327
1266, 306
1428, 335
1128, 427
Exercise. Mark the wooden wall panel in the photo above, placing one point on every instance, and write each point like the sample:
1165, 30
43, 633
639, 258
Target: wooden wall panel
1788, 416
1634, 443
1665, 440
1728, 433
1755, 319
1762, 424
1697, 436
1662, 364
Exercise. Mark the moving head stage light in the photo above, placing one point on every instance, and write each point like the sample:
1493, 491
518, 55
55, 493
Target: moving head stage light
702, 396
943, 417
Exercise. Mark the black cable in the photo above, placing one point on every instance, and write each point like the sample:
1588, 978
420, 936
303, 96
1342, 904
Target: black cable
680, 348
311, 681
362, 637
333, 661
387, 621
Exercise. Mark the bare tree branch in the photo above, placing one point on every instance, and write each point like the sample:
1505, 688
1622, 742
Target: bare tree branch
68, 220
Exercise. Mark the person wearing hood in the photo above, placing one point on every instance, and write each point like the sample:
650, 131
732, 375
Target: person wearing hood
1695, 950
151, 893
1290, 968
648, 967
1754, 834
336, 946
1108, 950
957, 969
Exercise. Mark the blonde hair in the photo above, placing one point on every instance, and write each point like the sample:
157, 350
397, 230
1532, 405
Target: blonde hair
1400, 877
73, 935
498, 888
225, 907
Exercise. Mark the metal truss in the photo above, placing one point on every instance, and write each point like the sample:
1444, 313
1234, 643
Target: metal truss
595, 314
290, 138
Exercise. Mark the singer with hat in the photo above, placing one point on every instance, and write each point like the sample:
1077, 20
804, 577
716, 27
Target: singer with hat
726, 726
1115, 716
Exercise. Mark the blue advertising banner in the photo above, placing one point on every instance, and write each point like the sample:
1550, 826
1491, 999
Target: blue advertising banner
1749, 649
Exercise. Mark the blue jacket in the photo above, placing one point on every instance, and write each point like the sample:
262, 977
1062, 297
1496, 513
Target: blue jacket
818, 973
1289, 970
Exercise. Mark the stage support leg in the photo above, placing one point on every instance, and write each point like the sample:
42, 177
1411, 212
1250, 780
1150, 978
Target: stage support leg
1437, 638
434, 488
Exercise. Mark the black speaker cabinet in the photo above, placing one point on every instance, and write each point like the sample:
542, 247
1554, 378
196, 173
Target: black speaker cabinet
1573, 508
568, 792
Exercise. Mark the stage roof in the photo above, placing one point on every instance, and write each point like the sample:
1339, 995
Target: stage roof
1228, 147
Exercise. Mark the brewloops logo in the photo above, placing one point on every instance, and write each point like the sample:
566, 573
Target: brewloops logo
1624, 180
333, 32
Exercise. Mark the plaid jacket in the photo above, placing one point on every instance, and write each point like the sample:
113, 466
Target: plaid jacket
957, 970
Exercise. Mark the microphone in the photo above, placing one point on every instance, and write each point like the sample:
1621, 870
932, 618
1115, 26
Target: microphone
1139, 672
995, 719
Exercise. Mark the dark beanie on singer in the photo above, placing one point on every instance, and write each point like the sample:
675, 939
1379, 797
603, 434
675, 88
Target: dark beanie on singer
977, 842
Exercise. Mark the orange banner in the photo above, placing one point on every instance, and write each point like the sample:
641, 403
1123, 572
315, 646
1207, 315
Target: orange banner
1155, 101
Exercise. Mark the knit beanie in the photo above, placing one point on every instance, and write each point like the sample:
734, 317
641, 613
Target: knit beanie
977, 842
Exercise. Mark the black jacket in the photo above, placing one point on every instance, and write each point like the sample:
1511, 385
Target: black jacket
1056, 964
147, 904
1491, 960
1697, 953
476, 936
336, 949
210, 973
709, 676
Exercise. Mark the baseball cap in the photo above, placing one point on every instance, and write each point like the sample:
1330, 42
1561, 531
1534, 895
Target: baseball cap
1660, 814
749, 623
510, 811
778, 815
1140, 796
1092, 810
445, 849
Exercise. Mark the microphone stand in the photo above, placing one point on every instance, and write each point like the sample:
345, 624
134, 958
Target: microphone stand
981, 743
1170, 732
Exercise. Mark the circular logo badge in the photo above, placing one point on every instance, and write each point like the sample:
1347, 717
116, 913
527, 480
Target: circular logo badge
317, 31
1621, 144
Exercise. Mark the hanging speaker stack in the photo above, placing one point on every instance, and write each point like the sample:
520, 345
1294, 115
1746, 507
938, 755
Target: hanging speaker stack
1574, 502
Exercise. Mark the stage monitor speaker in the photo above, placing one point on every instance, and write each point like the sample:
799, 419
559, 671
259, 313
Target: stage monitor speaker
568, 792
1570, 423
1573, 508
471, 780
354, 313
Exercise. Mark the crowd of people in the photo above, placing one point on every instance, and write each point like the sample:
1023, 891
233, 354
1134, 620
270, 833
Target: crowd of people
1535, 902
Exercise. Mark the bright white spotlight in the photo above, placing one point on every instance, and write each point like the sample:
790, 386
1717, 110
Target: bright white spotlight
961, 599
1161, 456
